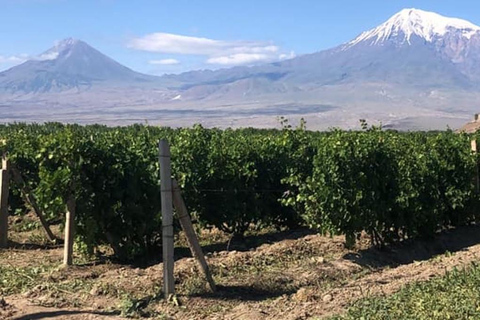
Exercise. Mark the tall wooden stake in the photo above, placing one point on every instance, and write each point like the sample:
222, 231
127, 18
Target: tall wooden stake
4, 190
167, 218
477, 173
187, 227
69, 232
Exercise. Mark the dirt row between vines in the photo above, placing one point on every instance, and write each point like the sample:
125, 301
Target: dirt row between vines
295, 275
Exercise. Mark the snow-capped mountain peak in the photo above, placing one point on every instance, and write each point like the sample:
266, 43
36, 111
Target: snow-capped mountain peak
424, 24
66, 43
63, 46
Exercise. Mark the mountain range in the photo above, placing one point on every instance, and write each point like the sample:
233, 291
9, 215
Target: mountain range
418, 70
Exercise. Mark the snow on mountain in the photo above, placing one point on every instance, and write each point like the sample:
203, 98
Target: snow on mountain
64, 46
424, 24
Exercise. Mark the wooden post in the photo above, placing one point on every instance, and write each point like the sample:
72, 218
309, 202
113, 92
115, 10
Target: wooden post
477, 171
186, 223
28, 197
69, 232
4, 191
167, 218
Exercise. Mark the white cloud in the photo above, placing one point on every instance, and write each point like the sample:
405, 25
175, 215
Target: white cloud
165, 62
249, 58
52, 55
172, 43
238, 59
17, 59
285, 56
12, 59
216, 51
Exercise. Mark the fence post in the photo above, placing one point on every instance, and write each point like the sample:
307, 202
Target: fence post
187, 227
477, 173
167, 218
69, 232
4, 192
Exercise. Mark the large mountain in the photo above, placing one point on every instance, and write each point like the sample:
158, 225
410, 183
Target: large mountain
413, 48
70, 64
416, 70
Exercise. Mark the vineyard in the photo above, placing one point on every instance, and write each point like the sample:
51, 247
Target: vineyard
388, 185
391, 185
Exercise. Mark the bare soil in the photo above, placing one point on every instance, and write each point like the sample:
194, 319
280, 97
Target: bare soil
287, 275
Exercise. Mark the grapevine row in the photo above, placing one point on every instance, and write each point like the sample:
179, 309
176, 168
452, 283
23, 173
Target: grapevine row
391, 185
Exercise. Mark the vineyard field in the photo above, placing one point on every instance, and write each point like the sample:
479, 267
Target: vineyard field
391, 185
295, 224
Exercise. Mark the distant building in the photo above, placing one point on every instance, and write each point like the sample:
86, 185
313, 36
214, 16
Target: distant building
471, 126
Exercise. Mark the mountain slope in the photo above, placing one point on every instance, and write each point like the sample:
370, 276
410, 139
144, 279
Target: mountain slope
71, 64
414, 48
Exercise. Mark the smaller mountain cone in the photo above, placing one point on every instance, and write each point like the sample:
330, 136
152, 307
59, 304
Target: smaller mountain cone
69, 64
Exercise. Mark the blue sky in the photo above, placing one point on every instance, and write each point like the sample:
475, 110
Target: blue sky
172, 36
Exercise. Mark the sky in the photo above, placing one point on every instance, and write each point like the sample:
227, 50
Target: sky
173, 36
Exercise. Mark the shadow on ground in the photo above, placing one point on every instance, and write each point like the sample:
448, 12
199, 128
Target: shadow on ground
61, 313
408, 251
245, 293
252, 242
34, 246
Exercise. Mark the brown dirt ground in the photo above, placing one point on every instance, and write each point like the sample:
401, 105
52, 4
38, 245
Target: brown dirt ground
289, 275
